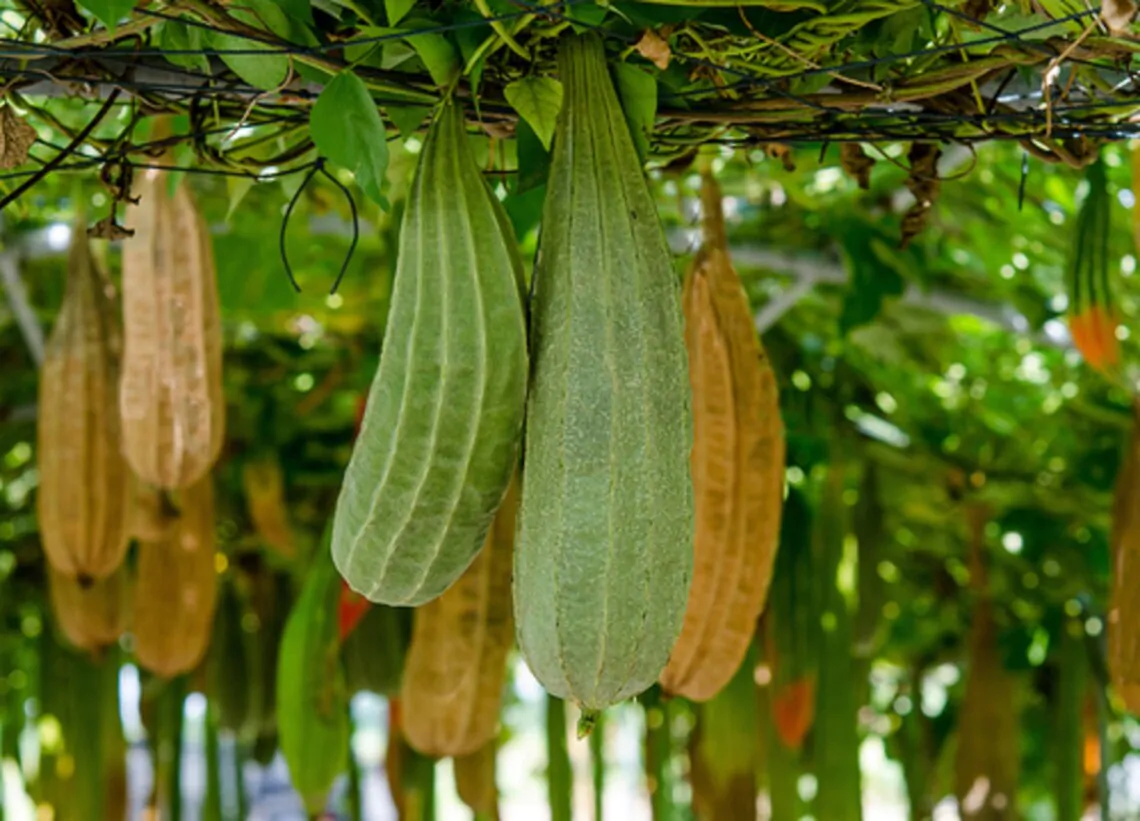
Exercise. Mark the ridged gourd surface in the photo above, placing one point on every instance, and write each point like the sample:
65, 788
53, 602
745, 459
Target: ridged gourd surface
737, 468
442, 428
176, 588
453, 680
475, 780
604, 555
1124, 604
82, 501
90, 617
263, 483
171, 397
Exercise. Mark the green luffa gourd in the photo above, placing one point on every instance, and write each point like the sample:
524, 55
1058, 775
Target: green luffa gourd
441, 432
605, 548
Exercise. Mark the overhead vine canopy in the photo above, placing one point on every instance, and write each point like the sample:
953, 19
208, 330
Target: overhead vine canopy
246, 78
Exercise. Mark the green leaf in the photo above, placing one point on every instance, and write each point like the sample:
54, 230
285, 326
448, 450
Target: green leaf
638, 92
368, 11
361, 52
375, 52
173, 36
438, 54
330, 7
589, 15
408, 118
1025, 26
525, 210
264, 71
263, 14
346, 127
810, 84
237, 188
302, 34
397, 10
291, 184
109, 12
435, 51
875, 274
182, 154
395, 52
470, 38
533, 160
538, 101
311, 693
778, 5
300, 10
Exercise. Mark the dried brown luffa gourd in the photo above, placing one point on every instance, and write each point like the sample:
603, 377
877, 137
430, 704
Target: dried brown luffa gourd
171, 399
82, 496
987, 760
176, 588
263, 482
456, 665
737, 466
1124, 605
150, 513
475, 781
90, 617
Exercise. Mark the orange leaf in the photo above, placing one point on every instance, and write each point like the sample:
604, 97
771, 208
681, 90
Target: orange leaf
793, 710
351, 609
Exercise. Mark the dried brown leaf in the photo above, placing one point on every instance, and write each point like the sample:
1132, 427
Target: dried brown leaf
654, 48
60, 18
783, 153
924, 184
977, 10
108, 228
854, 160
16, 137
1117, 15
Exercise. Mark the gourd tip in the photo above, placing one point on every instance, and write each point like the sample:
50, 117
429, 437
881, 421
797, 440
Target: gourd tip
586, 723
